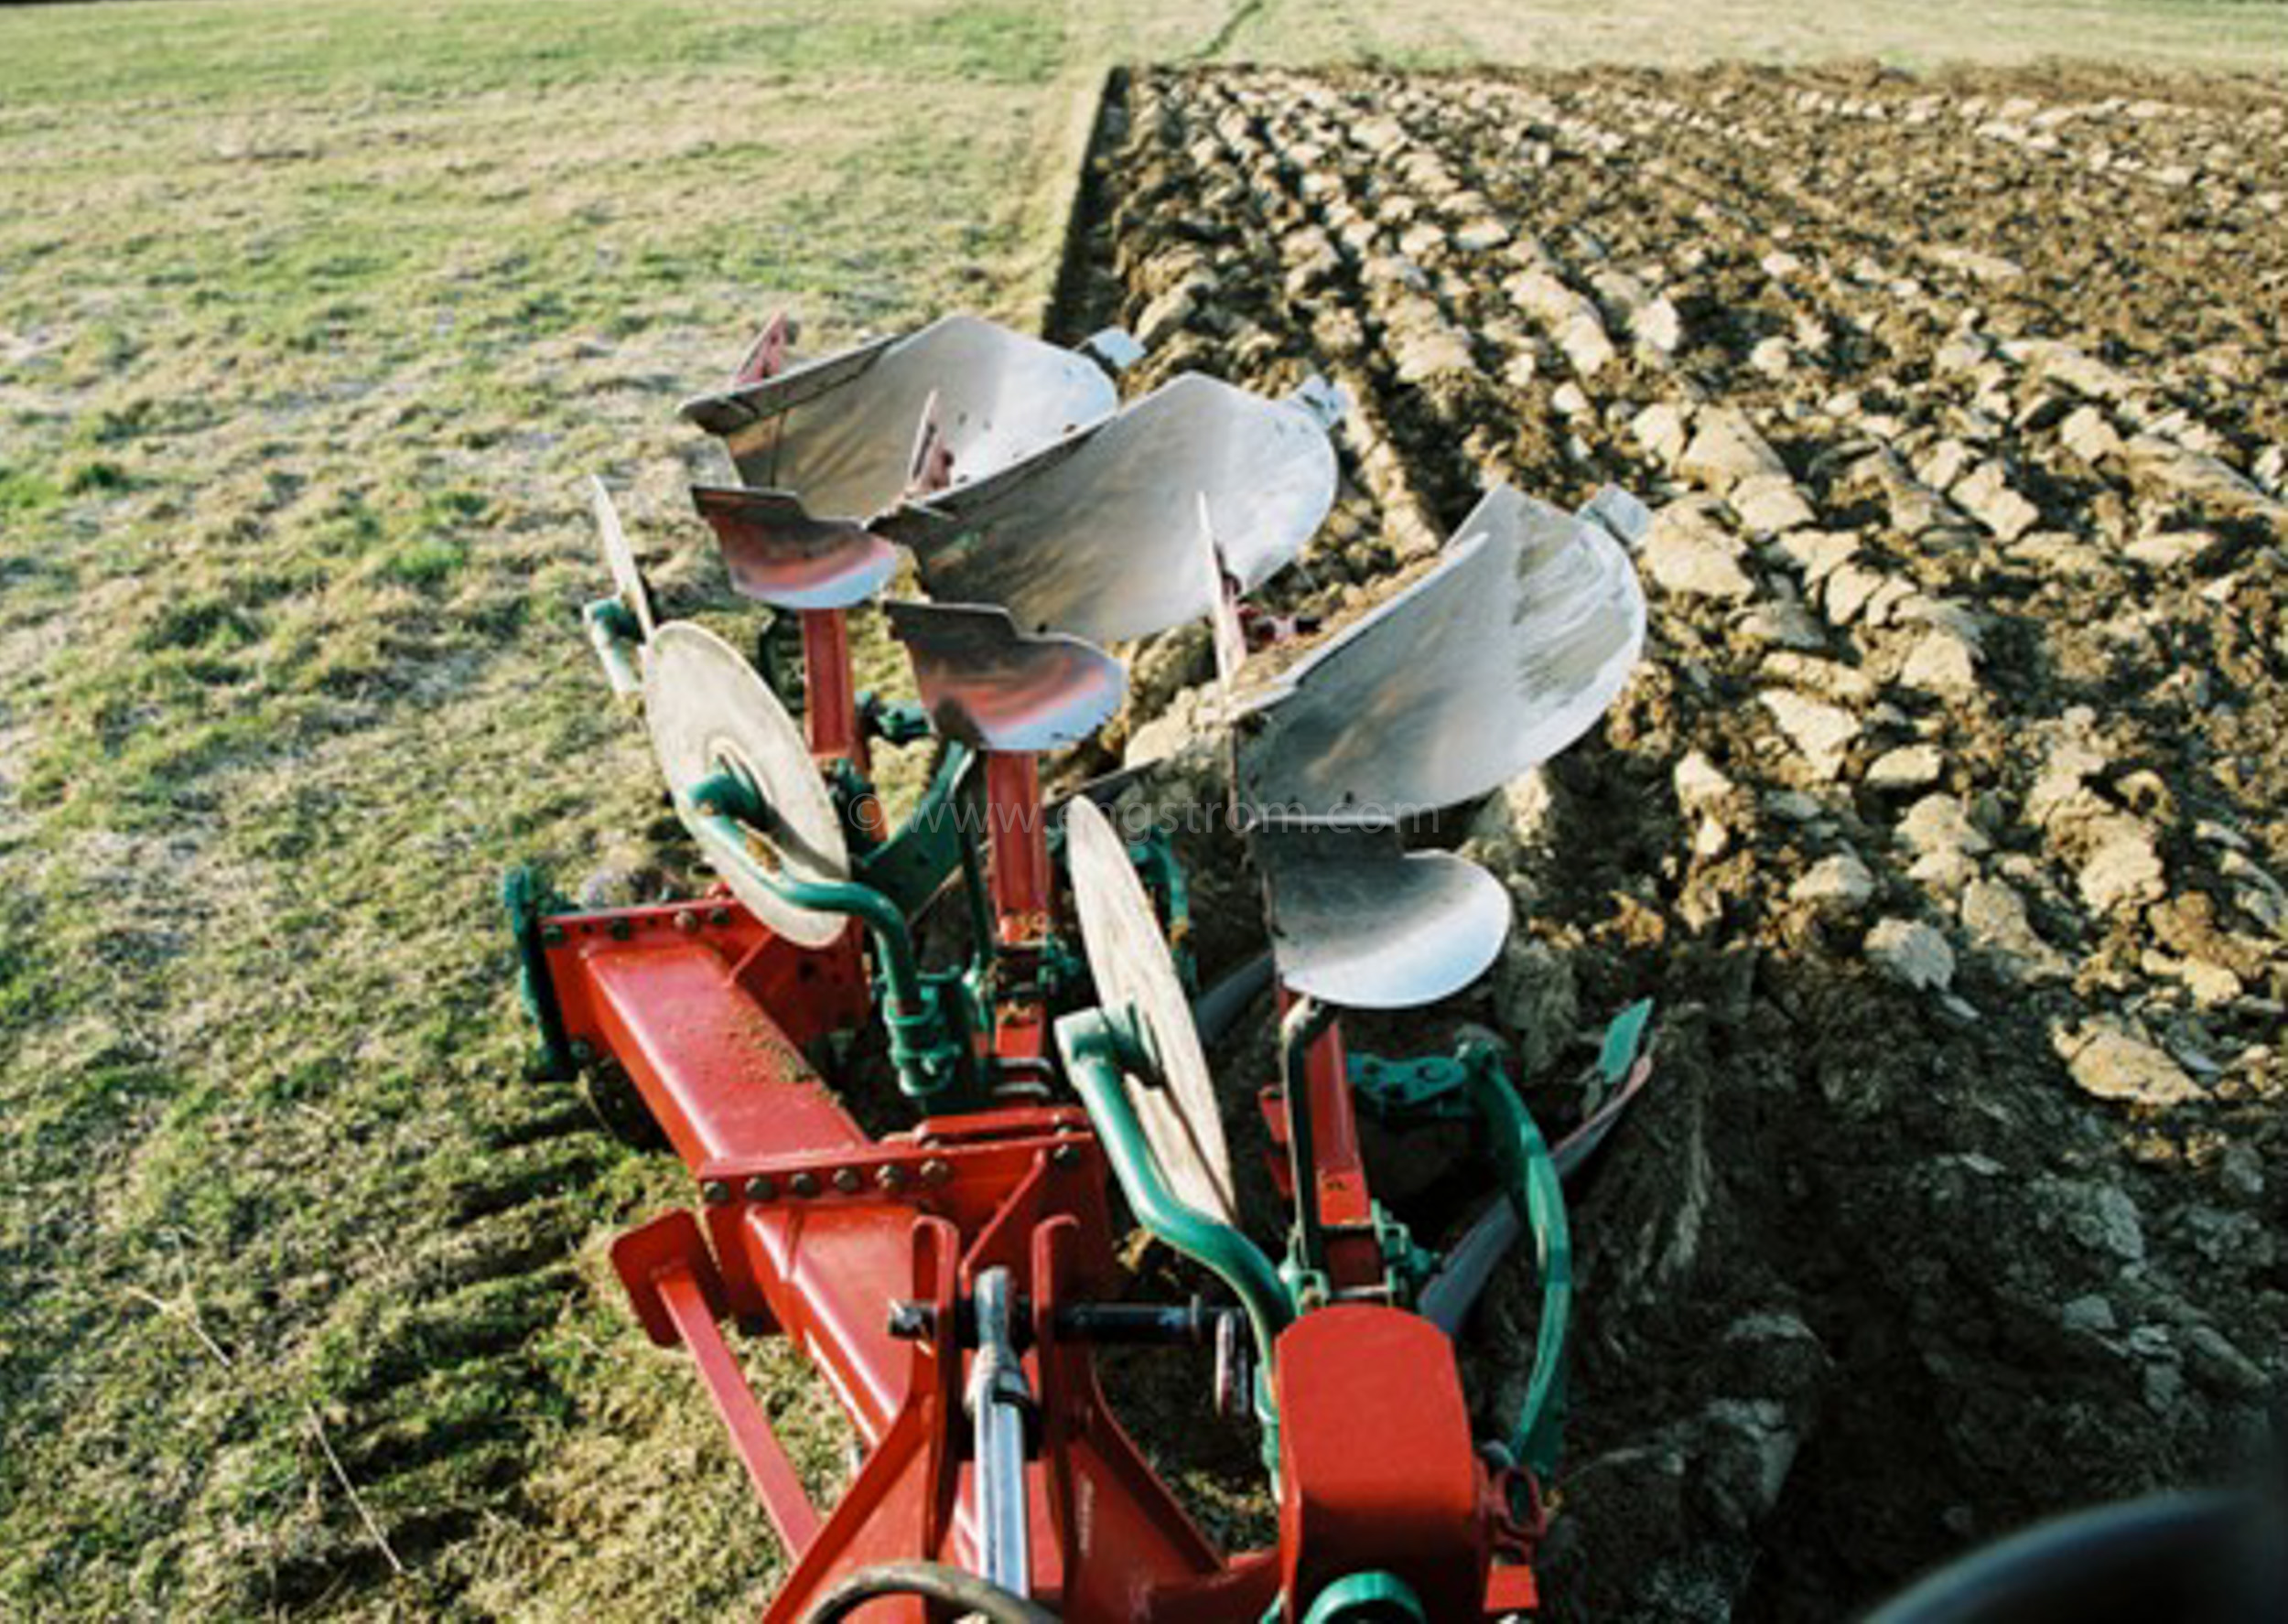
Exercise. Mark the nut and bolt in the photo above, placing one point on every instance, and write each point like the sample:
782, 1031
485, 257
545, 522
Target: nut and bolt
718, 916
846, 1181
890, 1176
685, 920
552, 935
761, 1188
936, 1170
803, 1184
1065, 1156
715, 1192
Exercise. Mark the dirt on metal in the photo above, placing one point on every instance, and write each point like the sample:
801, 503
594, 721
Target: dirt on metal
1946, 818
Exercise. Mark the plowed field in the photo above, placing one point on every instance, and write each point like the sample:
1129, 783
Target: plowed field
1945, 818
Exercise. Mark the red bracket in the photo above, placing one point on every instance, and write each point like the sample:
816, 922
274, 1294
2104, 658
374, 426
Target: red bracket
678, 1295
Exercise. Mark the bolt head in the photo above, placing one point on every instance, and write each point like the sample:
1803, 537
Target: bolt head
718, 916
890, 1176
685, 920
936, 1170
761, 1188
846, 1181
715, 1192
1065, 1156
582, 1051
803, 1184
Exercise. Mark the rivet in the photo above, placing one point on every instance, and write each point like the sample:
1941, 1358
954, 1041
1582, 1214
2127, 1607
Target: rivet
715, 1192
890, 1176
685, 920
761, 1188
846, 1181
803, 1184
936, 1170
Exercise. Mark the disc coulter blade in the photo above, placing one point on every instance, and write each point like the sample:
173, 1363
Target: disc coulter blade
1130, 960
707, 710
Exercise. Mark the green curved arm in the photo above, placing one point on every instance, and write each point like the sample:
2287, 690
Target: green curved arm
613, 634
1540, 1197
929, 1060
1095, 1057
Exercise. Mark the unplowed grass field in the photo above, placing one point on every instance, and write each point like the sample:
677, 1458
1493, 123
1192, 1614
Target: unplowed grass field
314, 316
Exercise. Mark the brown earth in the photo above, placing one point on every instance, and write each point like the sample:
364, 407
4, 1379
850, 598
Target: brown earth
1945, 817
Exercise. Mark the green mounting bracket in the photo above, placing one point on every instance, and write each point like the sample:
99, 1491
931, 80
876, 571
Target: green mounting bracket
893, 721
526, 897
933, 1068
911, 864
1531, 1177
846, 787
1154, 856
1432, 1088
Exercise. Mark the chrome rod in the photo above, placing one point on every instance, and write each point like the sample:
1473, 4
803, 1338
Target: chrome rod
998, 1400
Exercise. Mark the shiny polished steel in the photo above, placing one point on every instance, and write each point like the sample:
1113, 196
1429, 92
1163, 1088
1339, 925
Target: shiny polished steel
1359, 922
838, 433
988, 684
1129, 961
1096, 535
627, 577
1501, 655
999, 1400
709, 710
777, 553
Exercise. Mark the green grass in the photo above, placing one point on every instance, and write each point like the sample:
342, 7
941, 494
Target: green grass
317, 314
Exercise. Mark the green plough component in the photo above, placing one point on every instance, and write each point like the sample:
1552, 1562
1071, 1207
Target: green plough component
933, 1065
1532, 1180
921, 853
527, 899
613, 633
1429, 1089
1099, 1048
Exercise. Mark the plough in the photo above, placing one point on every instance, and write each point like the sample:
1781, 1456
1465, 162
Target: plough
955, 1279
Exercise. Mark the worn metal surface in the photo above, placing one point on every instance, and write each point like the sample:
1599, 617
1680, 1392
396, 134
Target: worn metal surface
627, 577
776, 553
708, 709
991, 685
1358, 922
1099, 534
1496, 659
839, 433
1130, 963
